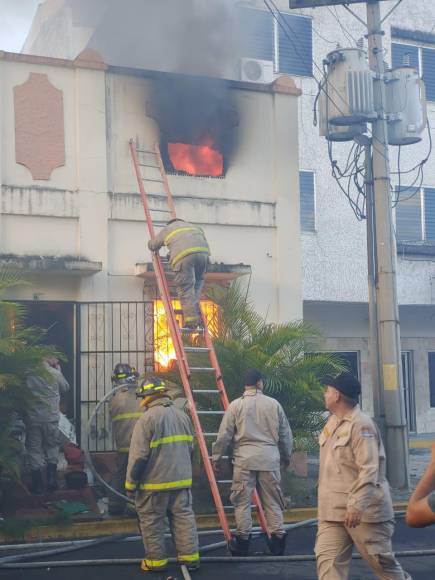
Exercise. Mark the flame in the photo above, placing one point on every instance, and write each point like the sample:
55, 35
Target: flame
196, 159
164, 351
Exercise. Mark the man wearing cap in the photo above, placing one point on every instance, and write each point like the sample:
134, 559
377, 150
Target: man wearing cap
354, 503
159, 477
256, 427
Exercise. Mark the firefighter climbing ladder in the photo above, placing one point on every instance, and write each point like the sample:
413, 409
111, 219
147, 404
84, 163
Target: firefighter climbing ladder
151, 163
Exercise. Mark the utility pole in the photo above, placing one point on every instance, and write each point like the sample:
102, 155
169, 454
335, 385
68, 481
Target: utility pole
386, 286
385, 352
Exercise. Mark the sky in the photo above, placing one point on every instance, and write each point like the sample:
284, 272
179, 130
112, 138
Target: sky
15, 19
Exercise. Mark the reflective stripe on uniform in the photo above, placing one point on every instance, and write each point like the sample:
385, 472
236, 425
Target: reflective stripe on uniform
178, 230
123, 449
123, 416
155, 563
188, 251
170, 439
189, 557
166, 485
131, 485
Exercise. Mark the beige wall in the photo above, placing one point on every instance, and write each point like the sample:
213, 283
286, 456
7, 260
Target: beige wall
89, 209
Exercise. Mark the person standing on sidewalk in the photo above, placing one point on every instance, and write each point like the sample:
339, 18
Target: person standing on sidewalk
257, 428
354, 501
42, 424
159, 478
124, 412
421, 506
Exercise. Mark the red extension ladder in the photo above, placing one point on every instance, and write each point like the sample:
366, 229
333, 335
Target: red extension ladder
150, 163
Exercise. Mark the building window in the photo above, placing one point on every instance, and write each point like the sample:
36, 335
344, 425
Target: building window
307, 201
351, 360
421, 58
431, 362
263, 38
415, 214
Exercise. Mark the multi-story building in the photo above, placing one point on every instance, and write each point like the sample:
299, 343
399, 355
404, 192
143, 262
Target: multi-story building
333, 241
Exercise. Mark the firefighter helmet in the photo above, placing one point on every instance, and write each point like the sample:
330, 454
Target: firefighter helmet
151, 386
124, 373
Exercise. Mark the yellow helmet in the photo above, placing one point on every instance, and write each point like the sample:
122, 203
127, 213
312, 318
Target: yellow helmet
150, 386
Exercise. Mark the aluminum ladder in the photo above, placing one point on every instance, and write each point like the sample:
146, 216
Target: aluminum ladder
149, 170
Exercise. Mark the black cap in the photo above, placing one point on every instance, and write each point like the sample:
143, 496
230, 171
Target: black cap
252, 376
347, 384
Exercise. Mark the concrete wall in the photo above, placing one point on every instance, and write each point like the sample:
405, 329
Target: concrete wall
89, 207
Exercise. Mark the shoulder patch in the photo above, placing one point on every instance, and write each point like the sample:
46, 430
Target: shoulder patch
367, 433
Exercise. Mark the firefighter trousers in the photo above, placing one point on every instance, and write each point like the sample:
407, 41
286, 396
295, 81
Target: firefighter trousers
117, 505
42, 444
269, 490
153, 508
189, 279
334, 545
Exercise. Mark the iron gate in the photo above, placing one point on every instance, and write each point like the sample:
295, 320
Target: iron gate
109, 332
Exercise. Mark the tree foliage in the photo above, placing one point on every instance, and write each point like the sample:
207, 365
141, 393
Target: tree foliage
21, 355
286, 353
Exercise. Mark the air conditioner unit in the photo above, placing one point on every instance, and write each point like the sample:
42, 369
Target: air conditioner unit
256, 71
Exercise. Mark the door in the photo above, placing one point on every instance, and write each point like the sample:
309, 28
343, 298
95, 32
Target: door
409, 390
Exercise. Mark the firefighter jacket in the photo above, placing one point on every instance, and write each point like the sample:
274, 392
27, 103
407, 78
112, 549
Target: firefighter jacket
352, 470
258, 429
160, 449
182, 239
46, 392
125, 410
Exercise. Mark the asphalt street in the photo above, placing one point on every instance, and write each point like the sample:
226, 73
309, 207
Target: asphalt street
300, 541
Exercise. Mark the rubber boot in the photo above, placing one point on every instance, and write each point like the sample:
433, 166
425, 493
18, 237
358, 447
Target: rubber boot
239, 546
36, 485
276, 544
52, 477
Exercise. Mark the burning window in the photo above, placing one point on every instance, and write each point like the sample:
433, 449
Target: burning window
164, 352
201, 160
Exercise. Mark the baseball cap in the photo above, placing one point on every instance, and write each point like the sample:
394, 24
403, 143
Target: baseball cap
347, 384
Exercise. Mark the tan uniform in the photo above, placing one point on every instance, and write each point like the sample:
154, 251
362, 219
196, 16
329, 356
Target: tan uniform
188, 254
124, 410
352, 475
258, 429
163, 439
42, 421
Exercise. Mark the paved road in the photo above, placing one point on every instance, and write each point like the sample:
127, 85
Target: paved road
299, 542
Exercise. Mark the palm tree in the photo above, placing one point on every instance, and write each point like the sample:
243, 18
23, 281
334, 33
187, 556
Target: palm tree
287, 354
21, 355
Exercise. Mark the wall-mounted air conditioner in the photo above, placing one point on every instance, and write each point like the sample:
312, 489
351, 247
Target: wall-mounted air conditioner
256, 71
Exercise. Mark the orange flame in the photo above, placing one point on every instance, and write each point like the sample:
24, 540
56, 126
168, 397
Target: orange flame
164, 351
196, 159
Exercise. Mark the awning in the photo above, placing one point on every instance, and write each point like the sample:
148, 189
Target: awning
218, 273
48, 264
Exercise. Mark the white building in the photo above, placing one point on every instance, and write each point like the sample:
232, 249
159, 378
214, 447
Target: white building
334, 258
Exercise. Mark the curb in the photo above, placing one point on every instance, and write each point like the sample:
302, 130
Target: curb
129, 526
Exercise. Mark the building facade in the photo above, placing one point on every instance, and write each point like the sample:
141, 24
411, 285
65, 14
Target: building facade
333, 241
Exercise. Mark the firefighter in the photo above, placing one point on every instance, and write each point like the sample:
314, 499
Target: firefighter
188, 256
124, 412
159, 477
257, 428
42, 424
354, 501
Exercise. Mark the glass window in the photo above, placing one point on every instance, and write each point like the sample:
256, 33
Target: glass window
432, 378
307, 201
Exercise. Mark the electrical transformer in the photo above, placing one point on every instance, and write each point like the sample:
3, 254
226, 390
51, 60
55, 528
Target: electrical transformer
336, 132
349, 88
405, 106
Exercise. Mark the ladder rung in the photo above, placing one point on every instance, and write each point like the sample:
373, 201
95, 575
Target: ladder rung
224, 481
147, 165
206, 391
161, 210
146, 151
202, 369
184, 330
211, 412
194, 348
149, 179
210, 434
222, 457
231, 507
